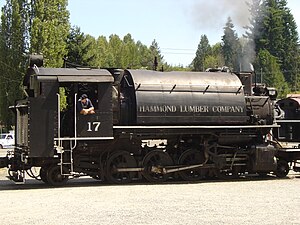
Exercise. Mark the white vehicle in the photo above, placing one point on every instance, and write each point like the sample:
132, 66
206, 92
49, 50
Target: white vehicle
7, 140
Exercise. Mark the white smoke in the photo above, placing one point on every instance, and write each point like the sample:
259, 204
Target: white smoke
213, 14
210, 16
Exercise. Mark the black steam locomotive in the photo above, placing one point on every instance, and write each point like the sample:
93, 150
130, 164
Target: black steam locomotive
147, 124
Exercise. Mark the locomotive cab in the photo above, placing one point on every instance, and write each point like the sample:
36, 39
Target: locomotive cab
50, 110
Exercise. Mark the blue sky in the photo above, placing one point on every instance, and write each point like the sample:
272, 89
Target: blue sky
175, 24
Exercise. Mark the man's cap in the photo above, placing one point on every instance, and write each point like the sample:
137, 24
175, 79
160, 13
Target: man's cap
84, 96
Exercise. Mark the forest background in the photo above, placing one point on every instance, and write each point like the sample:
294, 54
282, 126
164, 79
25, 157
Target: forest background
270, 43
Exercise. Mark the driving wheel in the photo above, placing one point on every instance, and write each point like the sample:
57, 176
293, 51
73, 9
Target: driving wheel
120, 159
192, 157
154, 162
282, 168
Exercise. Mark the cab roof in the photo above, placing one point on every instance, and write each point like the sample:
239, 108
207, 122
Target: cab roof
72, 75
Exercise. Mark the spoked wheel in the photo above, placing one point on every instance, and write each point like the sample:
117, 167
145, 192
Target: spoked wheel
54, 176
282, 168
118, 160
153, 164
192, 157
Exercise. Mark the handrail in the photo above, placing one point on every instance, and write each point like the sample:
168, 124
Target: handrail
75, 122
58, 120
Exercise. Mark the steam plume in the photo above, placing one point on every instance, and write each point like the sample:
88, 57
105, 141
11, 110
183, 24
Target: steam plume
208, 14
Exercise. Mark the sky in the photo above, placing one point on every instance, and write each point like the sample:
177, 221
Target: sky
176, 25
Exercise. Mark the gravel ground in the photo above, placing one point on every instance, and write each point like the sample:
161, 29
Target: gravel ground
86, 201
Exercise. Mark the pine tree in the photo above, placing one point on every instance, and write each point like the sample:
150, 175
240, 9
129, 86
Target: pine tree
271, 73
271, 37
202, 52
130, 59
215, 59
255, 28
274, 29
156, 56
89, 51
231, 46
115, 46
104, 56
291, 54
74, 49
144, 56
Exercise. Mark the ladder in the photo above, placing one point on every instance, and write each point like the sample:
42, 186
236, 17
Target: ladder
66, 155
66, 160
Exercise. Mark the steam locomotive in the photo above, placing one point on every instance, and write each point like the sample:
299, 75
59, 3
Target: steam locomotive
147, 125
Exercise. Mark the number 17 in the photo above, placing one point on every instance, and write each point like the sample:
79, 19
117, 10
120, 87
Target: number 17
93, 126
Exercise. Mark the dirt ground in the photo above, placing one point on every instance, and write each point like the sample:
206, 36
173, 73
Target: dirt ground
86, 201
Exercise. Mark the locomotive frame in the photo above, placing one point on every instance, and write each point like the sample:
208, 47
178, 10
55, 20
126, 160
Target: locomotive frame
202, 127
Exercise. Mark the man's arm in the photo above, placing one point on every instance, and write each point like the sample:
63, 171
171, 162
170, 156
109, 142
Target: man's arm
90, 108
80, 108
